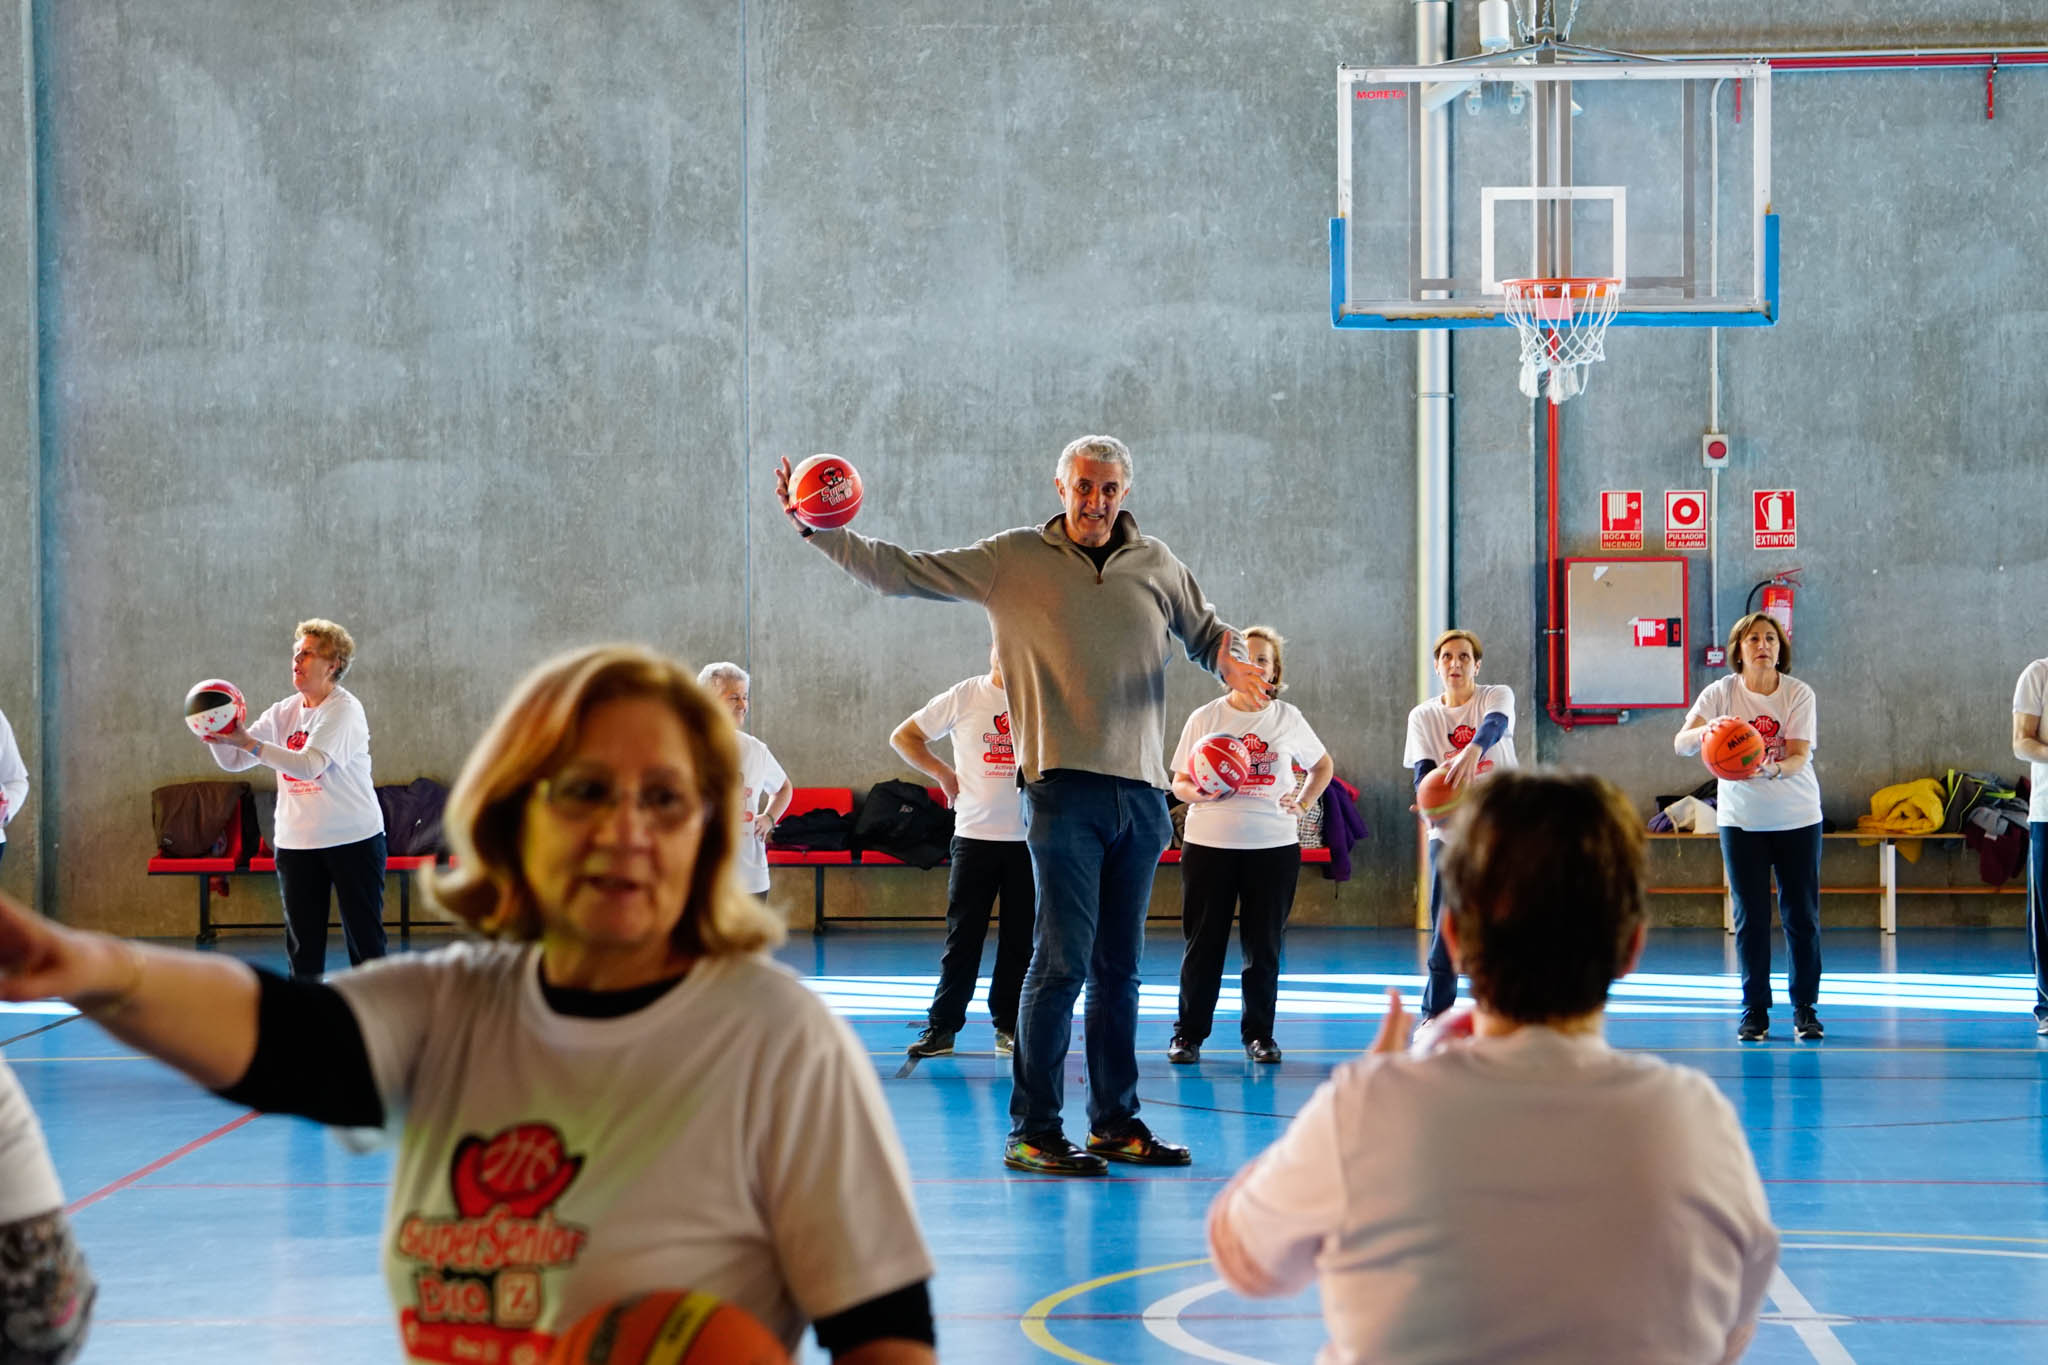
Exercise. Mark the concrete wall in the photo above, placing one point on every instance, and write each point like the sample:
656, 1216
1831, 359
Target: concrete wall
478, 327
20, 470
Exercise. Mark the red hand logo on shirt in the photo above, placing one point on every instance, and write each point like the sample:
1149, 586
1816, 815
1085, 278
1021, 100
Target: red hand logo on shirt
1462, 736
1768, 727
1003, 723
525, 1168
297, 741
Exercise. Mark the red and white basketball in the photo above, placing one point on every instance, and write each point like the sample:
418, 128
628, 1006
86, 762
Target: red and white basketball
1219, 764
1733, 748
214, 707
826, 492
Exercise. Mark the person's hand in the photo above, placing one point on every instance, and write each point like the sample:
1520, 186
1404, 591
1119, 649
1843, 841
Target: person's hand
1458, 772
761, 825
1239, 675
949, 783
782, 495
1393, 1036
39, 959
234, 737
1455, 1023
1204, 797
1291, 803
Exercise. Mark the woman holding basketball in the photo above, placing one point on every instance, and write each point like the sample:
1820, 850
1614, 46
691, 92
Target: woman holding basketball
330, 829
1466, 730
611, 1091
1241, 851
1769, 821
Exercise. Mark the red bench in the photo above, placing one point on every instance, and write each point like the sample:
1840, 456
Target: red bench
204, 870
840, 799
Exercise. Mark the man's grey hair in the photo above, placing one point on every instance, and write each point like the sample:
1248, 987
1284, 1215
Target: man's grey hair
1095, 448
711, 675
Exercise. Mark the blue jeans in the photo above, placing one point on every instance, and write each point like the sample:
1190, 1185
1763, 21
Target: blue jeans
1750, 857
1442, 990
1095, 843
2037, 910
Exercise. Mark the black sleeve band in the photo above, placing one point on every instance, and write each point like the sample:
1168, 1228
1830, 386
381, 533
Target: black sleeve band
310, 1057
900, 1315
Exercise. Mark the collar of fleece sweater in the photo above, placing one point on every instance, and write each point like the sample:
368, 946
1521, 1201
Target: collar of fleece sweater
1123, 533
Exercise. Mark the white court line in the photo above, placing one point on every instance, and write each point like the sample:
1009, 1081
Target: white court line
1162, 1320
1812, 1328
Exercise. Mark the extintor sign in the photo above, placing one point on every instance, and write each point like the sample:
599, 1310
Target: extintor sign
1777, 519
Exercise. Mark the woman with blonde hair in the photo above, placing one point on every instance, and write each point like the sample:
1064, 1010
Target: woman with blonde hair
330, 829
1769, 821
611, 1091
1241, 852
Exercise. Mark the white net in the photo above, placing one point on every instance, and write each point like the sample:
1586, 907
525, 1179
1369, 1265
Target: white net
1563, 326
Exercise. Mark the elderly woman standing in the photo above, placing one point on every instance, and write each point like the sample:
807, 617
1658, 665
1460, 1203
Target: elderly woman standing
614, 1091
1523, 1192
1241, 854
1770, 821
330, 830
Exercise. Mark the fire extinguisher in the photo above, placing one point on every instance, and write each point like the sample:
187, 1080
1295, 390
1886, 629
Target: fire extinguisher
1778, 590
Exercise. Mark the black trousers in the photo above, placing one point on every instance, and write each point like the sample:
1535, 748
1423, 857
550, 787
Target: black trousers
355, 875
1751, 856
1258, 884
982, 870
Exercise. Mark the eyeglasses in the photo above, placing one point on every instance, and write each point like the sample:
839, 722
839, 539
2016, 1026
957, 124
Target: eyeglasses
583, 797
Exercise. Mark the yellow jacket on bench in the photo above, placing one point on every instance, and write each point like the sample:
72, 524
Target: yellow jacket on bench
1904, 808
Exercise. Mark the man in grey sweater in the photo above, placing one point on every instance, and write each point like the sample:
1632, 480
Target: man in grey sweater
1081, 608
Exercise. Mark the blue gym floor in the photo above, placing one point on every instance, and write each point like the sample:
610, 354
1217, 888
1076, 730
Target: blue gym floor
1906, 1160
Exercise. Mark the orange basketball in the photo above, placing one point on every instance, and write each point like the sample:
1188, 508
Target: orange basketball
1435, 797
668, 1327
826, 492
1733, 749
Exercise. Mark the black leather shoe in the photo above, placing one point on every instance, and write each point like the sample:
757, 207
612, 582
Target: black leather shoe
1051, 1154
1262, 1050
1137, 1146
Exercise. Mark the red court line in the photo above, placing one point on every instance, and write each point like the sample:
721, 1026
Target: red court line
129, 1179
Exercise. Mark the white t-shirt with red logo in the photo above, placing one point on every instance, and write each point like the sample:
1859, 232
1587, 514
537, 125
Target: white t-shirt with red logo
340, 805
760, 778
2031, 698
977, 714
730, 1137
1759, 804
1277, 738
1438, 730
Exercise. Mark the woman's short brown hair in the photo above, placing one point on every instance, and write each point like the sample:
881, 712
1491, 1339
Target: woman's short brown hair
339, 644
1467, 636
1749, 623
1543, 878
532, 736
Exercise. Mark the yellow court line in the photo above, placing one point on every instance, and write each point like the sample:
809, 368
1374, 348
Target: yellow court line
1915, 1236
1033, 1321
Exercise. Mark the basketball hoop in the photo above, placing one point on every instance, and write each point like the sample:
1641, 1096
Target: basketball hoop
1563, 326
